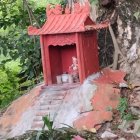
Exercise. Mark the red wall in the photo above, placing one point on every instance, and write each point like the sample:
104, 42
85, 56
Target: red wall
60, 59
90, 52
67, 52
55, 62
57, 58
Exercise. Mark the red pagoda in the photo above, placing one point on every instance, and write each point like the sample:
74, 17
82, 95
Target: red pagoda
64, 35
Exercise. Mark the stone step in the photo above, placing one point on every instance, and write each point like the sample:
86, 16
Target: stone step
51, 102
53, 98
38, 118
38, 122
42, 113
56, 95
49, 107
37, 125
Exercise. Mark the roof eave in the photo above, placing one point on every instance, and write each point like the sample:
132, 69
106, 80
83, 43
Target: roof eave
33, 30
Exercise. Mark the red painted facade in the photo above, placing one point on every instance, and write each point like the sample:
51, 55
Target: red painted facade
64, 36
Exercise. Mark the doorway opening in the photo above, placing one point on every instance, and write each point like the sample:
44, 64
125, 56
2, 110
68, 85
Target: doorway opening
61, 59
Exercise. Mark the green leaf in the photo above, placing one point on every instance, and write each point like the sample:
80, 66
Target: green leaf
38, 135
48, 122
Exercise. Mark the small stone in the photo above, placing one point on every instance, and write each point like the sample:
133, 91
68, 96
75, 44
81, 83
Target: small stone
123, 85
84, 127
108, 134
93, 130
122, 139
135, 110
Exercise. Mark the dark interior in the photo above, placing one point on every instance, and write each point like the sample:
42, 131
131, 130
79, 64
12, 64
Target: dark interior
61, 59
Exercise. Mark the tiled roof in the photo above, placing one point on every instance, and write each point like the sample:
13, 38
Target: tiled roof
66, 23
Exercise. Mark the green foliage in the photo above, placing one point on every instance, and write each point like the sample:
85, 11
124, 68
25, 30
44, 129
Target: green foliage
51, 133
64, 133
8, 86
123, 108
63, 3
43, 3
48, 123
17, 46
94, 2
16, 43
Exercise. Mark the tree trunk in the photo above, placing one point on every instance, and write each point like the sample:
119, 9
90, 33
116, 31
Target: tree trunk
128, 37
125, 19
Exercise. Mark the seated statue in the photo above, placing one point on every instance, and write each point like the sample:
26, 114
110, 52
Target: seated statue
73, 69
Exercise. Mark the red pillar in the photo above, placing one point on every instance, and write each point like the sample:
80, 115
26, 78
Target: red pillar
79, 50
43, 59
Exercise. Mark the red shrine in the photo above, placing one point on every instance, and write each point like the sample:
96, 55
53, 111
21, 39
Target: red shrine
66, 35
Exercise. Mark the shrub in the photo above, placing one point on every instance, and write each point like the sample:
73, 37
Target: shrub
8, 86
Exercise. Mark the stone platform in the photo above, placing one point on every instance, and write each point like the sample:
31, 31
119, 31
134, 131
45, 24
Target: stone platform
80, 106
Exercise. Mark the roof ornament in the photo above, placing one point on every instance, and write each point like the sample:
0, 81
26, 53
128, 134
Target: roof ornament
57, 10
77, 8
67, 10
86, 8
49, 10
32, 29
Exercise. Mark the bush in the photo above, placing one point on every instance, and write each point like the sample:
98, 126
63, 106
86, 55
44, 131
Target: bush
8, 86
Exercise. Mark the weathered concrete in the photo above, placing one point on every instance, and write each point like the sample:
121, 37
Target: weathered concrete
105, 98
84, 105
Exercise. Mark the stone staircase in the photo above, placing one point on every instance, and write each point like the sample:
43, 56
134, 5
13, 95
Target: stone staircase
48, 102
49, 105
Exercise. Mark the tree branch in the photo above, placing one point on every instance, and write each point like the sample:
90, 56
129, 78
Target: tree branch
31, 15
117, 49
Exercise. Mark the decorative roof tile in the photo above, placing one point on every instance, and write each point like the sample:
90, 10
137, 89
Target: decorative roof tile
58, 23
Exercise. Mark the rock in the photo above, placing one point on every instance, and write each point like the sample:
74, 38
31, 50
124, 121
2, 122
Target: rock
123, 85
135, 110
126, 126
137, 128
108, 134
131, 127
136, 102
122, 139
